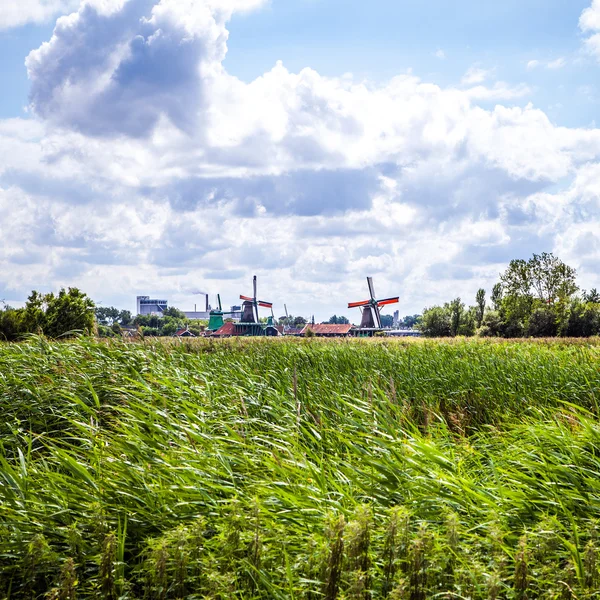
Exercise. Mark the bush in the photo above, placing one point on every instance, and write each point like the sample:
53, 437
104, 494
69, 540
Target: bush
492, 325
105, 332
584, 320
542, 323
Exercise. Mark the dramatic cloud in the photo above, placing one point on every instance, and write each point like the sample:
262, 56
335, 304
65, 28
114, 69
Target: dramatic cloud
150, 168
109, 72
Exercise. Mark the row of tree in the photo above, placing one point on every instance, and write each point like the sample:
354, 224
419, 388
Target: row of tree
534, 298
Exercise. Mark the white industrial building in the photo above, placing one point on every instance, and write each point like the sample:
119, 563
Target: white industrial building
150, 306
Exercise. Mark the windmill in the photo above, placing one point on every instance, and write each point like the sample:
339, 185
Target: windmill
250, 313
216, 316
371, 317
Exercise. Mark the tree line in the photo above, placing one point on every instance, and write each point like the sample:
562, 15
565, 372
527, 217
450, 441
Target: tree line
538, 297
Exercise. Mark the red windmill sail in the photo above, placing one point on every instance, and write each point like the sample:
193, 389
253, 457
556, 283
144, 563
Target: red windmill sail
371, 318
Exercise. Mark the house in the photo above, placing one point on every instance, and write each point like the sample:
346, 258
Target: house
293, 331
185, 332
226, 330
328, 330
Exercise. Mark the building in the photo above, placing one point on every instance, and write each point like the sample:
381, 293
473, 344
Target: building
197, 315
235, 313
396, 320
327, 330
149, 306
185, 332
404, 333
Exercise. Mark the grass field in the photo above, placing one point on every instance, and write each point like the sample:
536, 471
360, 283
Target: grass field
300, 469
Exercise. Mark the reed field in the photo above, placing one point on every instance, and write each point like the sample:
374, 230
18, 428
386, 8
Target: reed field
300, 469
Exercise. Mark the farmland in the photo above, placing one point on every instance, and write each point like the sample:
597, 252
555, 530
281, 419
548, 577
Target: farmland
300, 469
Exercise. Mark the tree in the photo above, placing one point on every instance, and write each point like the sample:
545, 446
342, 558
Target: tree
107, 315
456, 309
69, 311
169, 326
480, 308
544, 277
174, 312
11, 323
436, 322
387, 321
584, 319
125, 318
410, 321
335, 320
468, 322
551, 278
592, 297
34, 318
492, 325
497, 293
542, 323
299, 322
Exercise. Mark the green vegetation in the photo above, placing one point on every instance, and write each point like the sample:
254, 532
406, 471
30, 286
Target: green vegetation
299, 469
534, 298
57, 315
112, 320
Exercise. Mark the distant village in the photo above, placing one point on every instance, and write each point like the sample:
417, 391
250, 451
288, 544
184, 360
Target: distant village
245, 319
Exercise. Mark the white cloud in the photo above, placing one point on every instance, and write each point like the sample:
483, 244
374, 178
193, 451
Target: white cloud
590, 17
313, 182
558, 63
476, 74
589, 23
440, 54
14, 13
499, 91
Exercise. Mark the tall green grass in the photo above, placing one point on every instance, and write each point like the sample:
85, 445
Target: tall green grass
299, 469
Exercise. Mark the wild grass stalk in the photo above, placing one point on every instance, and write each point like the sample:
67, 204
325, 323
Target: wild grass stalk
211, 470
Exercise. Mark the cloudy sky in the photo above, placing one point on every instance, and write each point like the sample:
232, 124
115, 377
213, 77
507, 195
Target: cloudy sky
164, 147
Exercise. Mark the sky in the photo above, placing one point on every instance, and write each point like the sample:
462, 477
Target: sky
172, 147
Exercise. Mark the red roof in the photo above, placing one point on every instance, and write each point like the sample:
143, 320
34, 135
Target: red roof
327, 329
226, 329
183, 332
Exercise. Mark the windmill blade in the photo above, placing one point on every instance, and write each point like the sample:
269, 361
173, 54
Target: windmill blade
358, 304
286, 312
371, 287
246, 298
219, 300
265, 304
255, 302
377, 315
387, 301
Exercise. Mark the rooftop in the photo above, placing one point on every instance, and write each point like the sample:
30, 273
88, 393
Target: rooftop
327, 329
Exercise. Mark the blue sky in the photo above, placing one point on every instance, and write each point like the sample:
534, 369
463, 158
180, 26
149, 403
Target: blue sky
377, 40
161, 146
